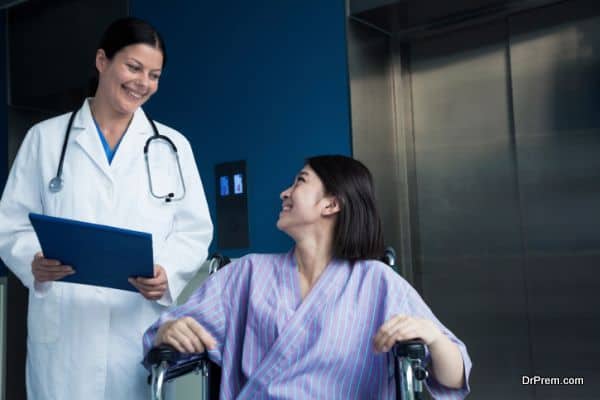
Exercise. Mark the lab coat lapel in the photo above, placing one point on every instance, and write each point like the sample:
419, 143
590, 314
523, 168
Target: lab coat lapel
297, 330
85, 134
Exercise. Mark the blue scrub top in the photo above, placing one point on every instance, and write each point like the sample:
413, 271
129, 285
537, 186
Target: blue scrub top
110, 153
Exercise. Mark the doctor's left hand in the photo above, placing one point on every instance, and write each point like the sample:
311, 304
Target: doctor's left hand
152, 288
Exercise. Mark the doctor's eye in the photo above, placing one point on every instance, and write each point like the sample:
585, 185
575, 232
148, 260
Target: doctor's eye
134, 68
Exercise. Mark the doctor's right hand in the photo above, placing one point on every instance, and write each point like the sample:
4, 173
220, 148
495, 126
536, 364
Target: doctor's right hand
185, 335
46, 270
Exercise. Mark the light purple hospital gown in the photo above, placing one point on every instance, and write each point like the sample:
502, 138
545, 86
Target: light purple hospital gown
273, 345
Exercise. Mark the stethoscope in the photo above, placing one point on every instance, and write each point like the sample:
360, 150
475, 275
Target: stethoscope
56, 184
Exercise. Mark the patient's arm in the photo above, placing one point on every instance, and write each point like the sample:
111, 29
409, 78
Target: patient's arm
446, 359
447, 363
185, 335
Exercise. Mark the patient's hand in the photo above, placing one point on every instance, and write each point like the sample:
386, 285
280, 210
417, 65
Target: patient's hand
185, 335
402, 328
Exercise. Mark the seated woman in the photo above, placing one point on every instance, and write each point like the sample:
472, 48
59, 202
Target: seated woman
316, 322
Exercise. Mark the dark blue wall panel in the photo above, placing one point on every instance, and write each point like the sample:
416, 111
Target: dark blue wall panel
262, 81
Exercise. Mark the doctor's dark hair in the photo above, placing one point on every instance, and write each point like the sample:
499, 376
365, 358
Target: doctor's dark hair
357, 233
128, 31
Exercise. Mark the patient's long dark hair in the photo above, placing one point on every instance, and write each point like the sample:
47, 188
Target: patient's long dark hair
357, 233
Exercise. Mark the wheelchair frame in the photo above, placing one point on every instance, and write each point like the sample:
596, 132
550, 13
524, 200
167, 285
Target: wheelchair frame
168, 364
409, 370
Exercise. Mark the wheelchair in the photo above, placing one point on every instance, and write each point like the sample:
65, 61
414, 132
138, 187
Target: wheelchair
167, 364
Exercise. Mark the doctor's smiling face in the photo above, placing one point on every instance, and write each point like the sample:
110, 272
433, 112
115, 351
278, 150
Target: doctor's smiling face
130, 77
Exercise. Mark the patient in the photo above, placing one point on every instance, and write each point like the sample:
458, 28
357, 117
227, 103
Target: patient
318, 321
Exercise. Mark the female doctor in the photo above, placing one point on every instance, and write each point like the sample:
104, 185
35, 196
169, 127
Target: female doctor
90, 165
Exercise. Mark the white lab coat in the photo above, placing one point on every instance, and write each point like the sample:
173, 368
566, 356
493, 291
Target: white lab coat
85, 342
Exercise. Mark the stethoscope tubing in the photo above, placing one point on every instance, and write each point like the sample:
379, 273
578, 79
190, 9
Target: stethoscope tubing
56, 183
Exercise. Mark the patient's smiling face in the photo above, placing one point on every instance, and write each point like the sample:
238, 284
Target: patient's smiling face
302, 203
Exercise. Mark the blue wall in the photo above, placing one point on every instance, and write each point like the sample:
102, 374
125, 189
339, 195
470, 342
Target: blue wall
264, 81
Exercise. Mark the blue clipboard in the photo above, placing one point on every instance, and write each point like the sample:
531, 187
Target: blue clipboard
101, 255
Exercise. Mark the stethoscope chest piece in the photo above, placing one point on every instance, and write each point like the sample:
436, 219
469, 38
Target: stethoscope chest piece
56, 184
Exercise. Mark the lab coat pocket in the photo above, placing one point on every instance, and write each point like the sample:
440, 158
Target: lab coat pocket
157, 217
43, 319
158, 220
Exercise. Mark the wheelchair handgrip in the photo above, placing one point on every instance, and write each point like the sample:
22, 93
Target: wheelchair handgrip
161, 353
414, 349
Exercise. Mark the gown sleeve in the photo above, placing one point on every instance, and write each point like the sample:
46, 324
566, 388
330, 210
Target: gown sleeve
415, 306
210, 305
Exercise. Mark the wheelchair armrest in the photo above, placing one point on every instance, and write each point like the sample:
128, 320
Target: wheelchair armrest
178, 363
409, 368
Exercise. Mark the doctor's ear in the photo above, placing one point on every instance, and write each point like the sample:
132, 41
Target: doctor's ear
332, 206
101, 60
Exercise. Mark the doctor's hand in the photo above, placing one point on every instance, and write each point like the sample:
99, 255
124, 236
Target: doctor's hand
152, 288
46, 270
402, 328
185, 335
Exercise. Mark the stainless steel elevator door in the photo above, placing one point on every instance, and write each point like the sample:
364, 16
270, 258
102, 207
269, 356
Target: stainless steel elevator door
470, 254
555, 63
506, 123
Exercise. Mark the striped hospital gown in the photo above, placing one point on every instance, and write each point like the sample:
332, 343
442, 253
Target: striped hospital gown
274, 345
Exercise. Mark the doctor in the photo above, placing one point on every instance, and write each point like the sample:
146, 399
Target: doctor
83, 341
